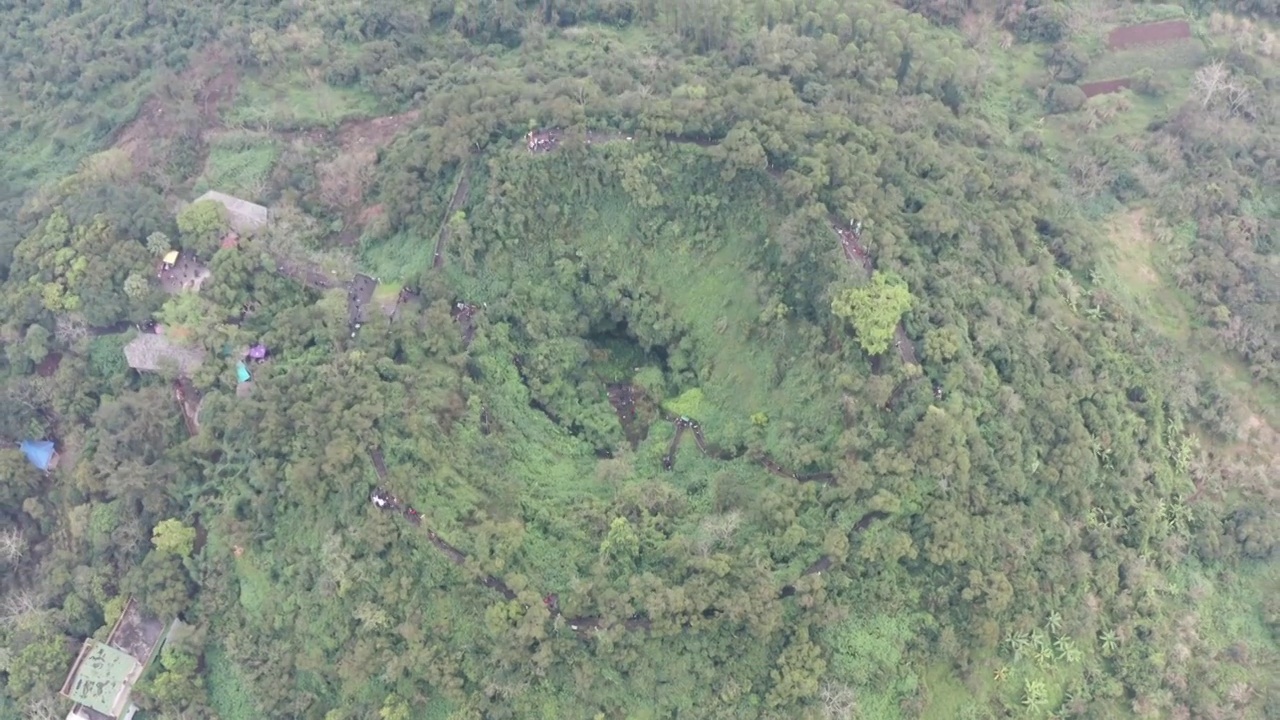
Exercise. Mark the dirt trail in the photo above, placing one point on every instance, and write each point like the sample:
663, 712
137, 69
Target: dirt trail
374, 132
461, 194
189, 401
629, 403
464, 314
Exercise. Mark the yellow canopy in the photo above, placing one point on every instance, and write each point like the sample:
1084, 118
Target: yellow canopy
171, 257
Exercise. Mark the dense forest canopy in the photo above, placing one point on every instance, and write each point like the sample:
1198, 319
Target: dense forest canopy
644, 358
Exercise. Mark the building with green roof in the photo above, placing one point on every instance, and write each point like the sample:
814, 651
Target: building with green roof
103, 675
102, 678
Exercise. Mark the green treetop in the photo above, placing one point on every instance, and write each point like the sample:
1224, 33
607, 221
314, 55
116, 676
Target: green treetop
874, 309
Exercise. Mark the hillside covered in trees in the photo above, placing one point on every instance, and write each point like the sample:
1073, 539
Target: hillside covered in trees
644, 358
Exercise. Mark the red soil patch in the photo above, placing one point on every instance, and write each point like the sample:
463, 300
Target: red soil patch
344, 181
1103, 87
1148, 34
213, 76
49, 365
374, 133
371, 213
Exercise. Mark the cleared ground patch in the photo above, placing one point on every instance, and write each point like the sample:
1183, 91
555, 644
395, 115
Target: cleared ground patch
189, 103
1149, 33
1103, 87
1165, 59
1133, 257
295, 102
345, 179
239, 163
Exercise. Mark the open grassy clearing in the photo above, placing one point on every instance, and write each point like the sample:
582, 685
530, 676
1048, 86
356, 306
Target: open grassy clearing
1166, 60
295, 101
1134, 258
239, 163
398, 258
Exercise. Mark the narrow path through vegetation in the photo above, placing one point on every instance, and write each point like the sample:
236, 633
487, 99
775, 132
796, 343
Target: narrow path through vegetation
461, 194
587, 624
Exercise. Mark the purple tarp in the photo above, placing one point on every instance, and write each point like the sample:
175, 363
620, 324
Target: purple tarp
258, 352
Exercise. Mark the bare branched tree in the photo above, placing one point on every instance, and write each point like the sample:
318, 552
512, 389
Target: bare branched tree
45, 708
838, 702
1238, 99
1210, 81
344, 180
717, 529
12, 545
20, 607
32, 393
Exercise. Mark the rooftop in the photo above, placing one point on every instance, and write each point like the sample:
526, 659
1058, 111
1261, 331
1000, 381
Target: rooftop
244, 216
103, 675
151, 352
135, 633
101, 678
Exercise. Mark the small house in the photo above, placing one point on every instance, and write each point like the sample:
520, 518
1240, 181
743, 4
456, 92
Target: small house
104, 673
40, 453
243, 216
150, 352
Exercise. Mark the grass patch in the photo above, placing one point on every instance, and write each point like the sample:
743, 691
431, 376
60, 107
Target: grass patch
1007, 102
228, 692
239, 164
400, 257
296, 102
1132, 259
387, 292
949, 698
1182, 55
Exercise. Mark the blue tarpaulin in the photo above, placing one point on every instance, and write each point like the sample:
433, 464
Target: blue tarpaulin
242, 372
39, 452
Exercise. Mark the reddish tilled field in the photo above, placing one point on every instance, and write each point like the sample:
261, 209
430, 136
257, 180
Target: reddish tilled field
1148, 34
1103, 87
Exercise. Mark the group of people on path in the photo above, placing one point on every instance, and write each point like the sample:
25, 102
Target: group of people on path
384, 500
541, 140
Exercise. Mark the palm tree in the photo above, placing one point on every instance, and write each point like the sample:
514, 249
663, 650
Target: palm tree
1066, 648
1020, 642
1110, 641
1035, 695
1044, 656
1055, 621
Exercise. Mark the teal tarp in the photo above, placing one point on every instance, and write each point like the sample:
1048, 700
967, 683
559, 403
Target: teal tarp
39, 452
242, 372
